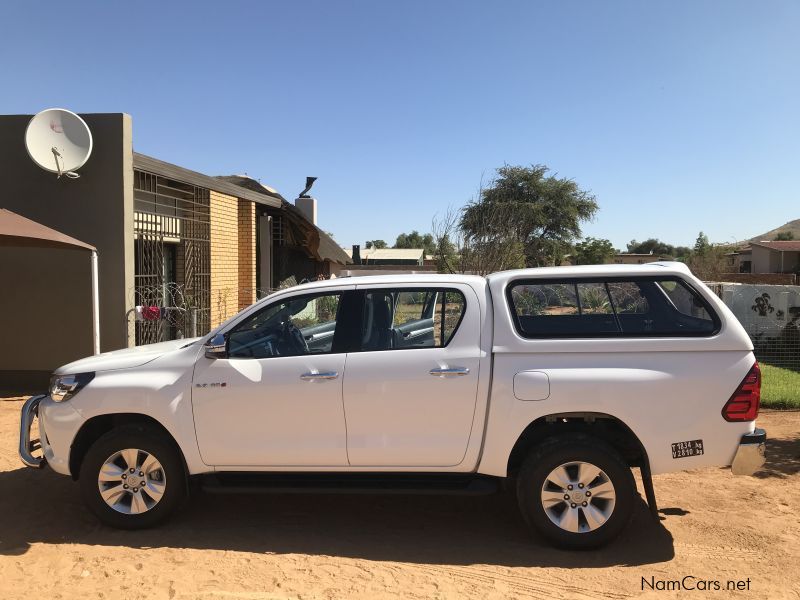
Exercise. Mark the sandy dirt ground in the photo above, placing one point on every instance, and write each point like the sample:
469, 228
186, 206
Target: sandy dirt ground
713, 527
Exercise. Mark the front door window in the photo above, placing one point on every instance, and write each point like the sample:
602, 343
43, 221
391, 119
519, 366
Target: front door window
300, 325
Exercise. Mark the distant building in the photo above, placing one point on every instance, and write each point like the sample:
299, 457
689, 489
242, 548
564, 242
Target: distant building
767, 257
740, 260
388, 256
385, 261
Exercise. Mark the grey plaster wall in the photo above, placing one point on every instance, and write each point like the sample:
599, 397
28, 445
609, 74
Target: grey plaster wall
97, 209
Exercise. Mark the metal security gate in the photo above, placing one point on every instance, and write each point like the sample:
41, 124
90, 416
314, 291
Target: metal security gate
172, 239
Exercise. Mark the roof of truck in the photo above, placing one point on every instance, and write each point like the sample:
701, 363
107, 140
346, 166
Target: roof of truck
654, 268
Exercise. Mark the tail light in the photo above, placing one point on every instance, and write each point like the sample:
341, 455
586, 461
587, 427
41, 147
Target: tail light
743, 405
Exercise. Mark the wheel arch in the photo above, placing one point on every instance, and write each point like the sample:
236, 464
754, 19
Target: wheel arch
99, 425
603, 426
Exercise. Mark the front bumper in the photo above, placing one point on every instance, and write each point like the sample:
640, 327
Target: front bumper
751, 453
27, 446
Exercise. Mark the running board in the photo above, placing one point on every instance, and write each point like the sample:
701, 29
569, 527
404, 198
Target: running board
349, 483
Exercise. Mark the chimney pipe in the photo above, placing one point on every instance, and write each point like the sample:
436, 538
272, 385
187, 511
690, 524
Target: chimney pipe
356, 254
307, 206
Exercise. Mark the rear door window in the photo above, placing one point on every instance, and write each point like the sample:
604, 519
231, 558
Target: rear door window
629, 307
410, 318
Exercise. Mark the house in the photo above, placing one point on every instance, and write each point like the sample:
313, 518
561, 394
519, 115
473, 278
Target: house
195, 247
740, 260
765, 257
772, 257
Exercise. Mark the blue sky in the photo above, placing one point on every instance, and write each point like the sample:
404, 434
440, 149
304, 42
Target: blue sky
678, 116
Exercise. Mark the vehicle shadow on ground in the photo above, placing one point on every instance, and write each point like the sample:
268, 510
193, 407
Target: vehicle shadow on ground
783, 458
42, 507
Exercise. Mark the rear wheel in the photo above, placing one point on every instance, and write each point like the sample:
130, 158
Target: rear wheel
132, 478
576, 491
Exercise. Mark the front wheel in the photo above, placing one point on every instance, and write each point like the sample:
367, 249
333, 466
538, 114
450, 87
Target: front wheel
132, 478
576, 491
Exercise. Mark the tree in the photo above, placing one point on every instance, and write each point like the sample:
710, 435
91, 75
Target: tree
701, 245
375, 244
540, 213
416, 240
650, 246
784, 236
593, 251
457, 252
657, 247
446, 253
711, 263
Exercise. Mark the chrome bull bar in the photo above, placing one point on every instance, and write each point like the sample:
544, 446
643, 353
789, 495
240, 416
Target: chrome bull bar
27, 446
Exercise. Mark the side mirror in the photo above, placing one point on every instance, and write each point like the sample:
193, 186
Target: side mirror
216, 347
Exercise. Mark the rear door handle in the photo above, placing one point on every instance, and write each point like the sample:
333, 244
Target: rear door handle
314, 376
445, 371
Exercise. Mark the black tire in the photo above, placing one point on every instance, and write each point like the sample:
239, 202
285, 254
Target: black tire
562, 450
154, 443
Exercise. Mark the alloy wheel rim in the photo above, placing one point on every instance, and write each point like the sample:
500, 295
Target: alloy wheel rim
131, 481
578, 497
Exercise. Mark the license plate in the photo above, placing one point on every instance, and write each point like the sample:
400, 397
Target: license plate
684, 449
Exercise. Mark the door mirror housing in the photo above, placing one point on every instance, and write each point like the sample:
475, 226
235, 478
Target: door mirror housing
217, 347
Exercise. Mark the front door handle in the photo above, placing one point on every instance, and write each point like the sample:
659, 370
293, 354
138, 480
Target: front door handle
314, 376
445, 371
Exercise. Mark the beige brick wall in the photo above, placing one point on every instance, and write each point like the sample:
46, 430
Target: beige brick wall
247, 253
224, 257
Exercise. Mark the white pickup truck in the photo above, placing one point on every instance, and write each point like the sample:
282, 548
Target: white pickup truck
558, 380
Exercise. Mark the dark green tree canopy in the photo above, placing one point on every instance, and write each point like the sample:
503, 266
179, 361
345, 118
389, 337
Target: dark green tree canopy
593, 251
541, 212
656, 246
416, 240
375, 244
784, 236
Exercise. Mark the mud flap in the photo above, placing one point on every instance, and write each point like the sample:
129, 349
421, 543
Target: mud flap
649, 490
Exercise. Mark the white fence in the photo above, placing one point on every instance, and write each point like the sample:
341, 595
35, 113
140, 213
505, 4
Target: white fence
771, 316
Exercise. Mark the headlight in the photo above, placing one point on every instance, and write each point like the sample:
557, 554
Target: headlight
64, 387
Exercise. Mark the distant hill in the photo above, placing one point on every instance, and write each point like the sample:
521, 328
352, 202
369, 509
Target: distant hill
793, 226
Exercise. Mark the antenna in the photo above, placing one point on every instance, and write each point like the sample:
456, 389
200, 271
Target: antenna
59, 141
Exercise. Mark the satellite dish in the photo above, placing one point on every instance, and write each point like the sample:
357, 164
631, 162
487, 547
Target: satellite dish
59, 141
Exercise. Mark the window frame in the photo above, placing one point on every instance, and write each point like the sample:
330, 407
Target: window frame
362, 297
655, 279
